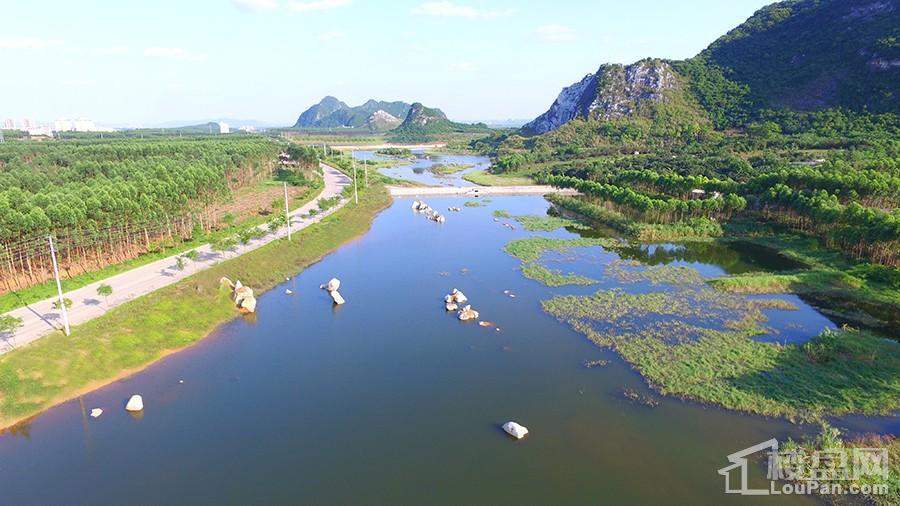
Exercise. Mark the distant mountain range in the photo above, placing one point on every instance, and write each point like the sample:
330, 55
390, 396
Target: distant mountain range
374, 114
411, 122
803, 55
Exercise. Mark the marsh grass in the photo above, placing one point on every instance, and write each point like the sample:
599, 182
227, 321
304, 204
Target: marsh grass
548, 223
552, 277
530, 249
699, 345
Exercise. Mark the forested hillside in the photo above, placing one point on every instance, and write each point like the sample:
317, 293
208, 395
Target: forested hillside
739, 142
106, 201
816, 54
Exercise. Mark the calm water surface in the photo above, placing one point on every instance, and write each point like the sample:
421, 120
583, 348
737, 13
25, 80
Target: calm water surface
419, 170
388, 399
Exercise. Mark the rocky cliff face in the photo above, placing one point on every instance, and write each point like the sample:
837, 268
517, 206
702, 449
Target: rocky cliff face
420, 116
381, 121
612, 92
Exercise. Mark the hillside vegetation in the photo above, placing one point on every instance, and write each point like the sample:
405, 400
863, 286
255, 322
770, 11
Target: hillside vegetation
110, 201
722, 146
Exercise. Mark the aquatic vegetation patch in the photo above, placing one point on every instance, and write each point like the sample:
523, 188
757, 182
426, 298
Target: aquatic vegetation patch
681, 353
655, 274
548, 223
444, 169
477, 203
500, 213
531, 248
635, 396
553, 277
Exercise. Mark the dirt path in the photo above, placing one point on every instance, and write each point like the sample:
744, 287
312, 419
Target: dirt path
40, 319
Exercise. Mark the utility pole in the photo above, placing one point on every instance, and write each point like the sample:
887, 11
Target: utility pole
366, 169
287, 216
1, 136
355, 188
62, 303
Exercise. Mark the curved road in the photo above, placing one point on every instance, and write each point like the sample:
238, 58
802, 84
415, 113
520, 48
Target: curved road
40, 319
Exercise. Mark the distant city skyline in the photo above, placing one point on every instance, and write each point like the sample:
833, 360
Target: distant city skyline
268, 60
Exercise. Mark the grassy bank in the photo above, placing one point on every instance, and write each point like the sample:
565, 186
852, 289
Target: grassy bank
483, 178
134, 335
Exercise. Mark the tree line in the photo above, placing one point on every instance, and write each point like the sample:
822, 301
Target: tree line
107, 201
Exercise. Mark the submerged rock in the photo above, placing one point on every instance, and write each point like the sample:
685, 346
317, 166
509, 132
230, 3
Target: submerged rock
336, 297
135, 403
515, 430
451, 306
288, 292
467, 313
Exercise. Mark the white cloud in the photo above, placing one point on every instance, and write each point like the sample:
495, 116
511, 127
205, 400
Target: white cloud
463, 66
78, 82
448, 9
28, 43
555, 33
173, 53
329, 36
110, 51
255, 5
317, 5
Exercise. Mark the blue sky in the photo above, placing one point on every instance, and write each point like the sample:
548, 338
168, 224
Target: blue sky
146, 62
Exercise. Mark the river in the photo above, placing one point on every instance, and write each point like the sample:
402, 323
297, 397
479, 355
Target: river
389, 399
419, 168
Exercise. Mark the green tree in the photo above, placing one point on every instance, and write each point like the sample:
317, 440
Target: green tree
104, 290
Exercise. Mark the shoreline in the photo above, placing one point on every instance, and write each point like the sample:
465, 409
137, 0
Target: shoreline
153, 307
369, 147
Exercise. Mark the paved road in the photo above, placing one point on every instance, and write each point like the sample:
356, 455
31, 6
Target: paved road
471, 191
40, 319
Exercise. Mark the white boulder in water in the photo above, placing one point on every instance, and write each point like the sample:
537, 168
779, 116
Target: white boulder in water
288, 292
135, 403
515, 430
96, 412
458, 296
336, 297
467, 313
332, 285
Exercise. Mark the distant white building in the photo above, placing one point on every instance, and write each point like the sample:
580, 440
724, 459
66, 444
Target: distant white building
247, 128
63, 125
77, 125
223, 127
40, 131
28, 123
9, 124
